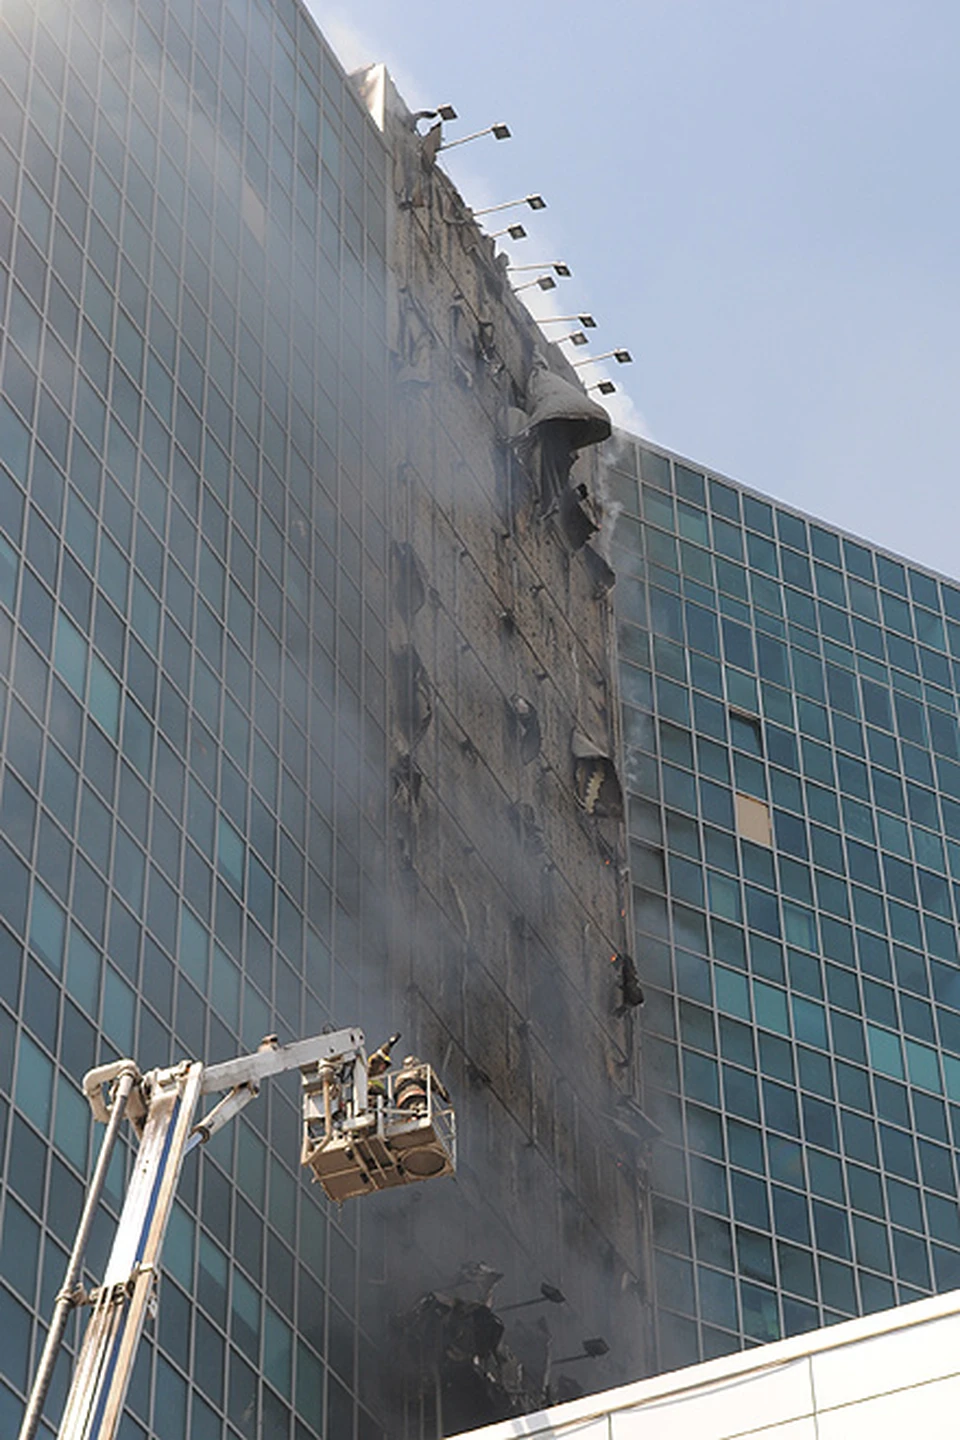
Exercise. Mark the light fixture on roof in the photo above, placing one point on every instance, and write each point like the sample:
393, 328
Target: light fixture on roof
442, 112
622, 357
560, 267
576, 337
536, 202
498, 131
545, 282
606, 387
547, 1292
587, 321
516, 232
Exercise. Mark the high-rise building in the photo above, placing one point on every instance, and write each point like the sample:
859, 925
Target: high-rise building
307, 708
792, 768
309, 716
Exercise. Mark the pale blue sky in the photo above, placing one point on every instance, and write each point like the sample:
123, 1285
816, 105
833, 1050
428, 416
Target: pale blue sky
759, 198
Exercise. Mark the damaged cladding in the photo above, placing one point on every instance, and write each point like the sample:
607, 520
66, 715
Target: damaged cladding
509, 891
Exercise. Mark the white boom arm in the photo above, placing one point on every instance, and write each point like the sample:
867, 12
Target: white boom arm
161, 1105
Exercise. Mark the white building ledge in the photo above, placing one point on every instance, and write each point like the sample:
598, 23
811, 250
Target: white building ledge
884, 1377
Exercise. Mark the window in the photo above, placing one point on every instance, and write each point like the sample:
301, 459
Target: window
753, 819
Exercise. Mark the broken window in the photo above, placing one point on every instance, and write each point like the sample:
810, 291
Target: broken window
753, 819
745, 732
595, 779
524, 725
578, 515
414, 703
409, 586
601, 574
631, 991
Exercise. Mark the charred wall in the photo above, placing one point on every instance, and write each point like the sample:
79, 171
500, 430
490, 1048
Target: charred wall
506, 907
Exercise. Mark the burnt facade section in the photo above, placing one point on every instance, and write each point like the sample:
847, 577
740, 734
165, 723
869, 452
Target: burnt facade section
507, 896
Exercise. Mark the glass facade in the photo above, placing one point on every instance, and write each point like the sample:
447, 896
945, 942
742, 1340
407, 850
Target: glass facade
192, 660
792, 763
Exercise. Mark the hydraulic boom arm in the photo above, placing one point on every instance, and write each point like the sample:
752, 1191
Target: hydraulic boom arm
370, 1140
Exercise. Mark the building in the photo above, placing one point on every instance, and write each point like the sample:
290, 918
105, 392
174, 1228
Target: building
307, 706
882, 1375
791, 755
308, 696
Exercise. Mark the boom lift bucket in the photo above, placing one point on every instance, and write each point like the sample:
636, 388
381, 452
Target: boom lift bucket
361, 1135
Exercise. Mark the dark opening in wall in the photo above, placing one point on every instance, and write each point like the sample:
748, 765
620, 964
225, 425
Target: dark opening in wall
745, 733
409, 585
524, 726
414, 702
595, 777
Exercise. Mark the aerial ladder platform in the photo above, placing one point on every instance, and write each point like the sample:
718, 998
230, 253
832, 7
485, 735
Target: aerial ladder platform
361, 1132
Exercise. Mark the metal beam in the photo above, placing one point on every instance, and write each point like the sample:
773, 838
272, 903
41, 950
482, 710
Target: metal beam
251, 1069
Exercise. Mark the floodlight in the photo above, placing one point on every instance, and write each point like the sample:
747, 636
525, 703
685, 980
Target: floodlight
545, 282
587, 321
592, 1350
442, 112
498, 131
536, 202
559, 266
576, 338
622, 357
516, 232
547, 1292
606, 387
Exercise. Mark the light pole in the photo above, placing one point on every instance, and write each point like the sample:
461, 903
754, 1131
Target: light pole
356, 1139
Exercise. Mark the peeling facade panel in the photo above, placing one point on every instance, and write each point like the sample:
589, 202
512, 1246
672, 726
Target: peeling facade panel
508, 901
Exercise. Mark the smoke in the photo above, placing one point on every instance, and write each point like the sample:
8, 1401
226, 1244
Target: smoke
354, 48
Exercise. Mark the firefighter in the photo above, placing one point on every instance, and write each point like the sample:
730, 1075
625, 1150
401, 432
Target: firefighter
377, 1066
410, 1085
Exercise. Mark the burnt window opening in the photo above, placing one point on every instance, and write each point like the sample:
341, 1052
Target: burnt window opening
414, 702
407, 779
409, 584
524, 726
596, 782
486, 345
577, 516
602, 575
631, 991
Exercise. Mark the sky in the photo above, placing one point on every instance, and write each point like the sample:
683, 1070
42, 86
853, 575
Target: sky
760, 199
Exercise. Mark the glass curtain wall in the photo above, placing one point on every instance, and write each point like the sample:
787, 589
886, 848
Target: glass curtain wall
792, 757
192, 559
